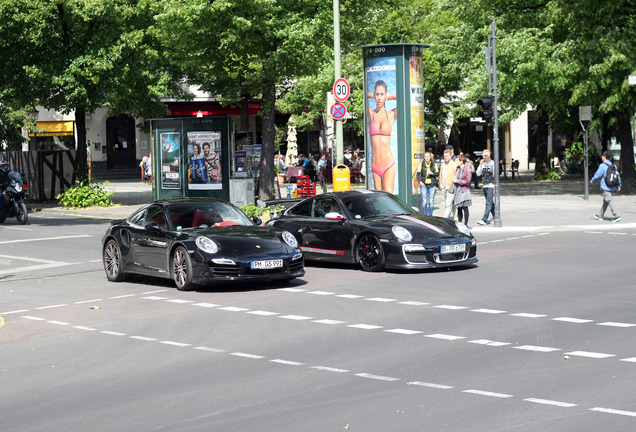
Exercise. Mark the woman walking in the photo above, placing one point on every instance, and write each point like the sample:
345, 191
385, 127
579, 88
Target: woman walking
463, 200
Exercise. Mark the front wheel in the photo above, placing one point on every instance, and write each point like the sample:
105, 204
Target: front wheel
112, 262
23, 214
182, 269
369, 253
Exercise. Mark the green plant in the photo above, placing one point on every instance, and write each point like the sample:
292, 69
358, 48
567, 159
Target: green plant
575, 157
252, 210
86, 194
546, 175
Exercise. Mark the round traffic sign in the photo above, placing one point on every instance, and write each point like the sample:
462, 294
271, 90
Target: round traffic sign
341, 89
338, 111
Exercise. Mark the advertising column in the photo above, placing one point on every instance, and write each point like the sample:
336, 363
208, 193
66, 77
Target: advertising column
394, 116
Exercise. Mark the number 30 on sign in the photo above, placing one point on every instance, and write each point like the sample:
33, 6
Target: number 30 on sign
341, 89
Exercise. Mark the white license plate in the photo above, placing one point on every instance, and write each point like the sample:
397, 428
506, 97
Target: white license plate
266, 264
454, 248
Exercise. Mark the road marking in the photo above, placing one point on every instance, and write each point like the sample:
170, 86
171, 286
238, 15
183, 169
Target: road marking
536, 348
365, 326
614, 411
14, 312
51, 306
123, 296
153, 292
295, 317
233, 309
44, 239
528, 315
590, 354
286, 362
330, 369
156, 298
62, 323
177, 344
450, 307
414, 303
403, 331
550, 402
322, 293
207, 349
329, 322
262, 313
572, 320
79, 327
431, 385
630, 359
32, 318
180, 301
381, 300
349, 296
444, 337
487, 393
377, 377
246, 355
489, 342
206, 305
143, 338
293, 290
88, 301
488, 311
112, 333
616, 324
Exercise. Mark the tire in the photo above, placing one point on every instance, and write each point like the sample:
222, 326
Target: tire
23, 217
181, 269
370, 253
112, 262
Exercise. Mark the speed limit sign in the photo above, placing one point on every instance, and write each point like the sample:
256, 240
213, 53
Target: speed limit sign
341, 89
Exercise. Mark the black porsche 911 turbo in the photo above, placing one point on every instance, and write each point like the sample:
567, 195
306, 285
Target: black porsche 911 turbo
198, 240
376, 230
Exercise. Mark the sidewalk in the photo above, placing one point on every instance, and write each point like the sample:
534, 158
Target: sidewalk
525, 205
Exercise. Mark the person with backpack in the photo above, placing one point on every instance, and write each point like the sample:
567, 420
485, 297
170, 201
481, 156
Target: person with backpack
610, 181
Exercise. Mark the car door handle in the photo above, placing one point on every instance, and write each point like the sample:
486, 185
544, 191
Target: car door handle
306, 229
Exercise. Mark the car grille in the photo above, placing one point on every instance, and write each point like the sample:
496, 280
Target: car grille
450, 257
237, 270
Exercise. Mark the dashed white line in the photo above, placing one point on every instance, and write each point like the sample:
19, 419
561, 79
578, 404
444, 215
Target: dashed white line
293, 290
349, 296
262, 313
403, 331
536, 348
488, 311
614, 411
550, 402
431, 385
320, 293
51, 306
180, 301
246, 355
79, 327
487, 393
286, 362
61, 323
88, 301
156, 298
444, 337
206, 305
177, 344
590, 354
208, 349
365, 326
233, 309
14, 312
630, 359
377, 377
381, 300
32, 318
528, 315
329, 322
616, 324
295, 317
143, 338
572, 320
489, 342
414, 303
450, 307
112, 333
125, 296
330, 369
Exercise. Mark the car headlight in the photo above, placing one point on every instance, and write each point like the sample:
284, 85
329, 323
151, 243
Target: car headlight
402, 233
463, 228
289, 239
207, 245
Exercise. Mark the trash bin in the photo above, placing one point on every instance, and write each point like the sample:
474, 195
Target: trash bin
341, 178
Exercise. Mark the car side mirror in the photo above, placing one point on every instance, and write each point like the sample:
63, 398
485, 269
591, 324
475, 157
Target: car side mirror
152, 226
334, 216
257, 220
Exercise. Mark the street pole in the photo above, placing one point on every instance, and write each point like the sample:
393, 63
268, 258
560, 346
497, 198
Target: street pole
339, 156
585, 115
495, 128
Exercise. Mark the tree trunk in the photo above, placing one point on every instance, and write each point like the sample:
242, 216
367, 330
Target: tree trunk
541, 134
80, 124
245, 114
627, 149
268, 111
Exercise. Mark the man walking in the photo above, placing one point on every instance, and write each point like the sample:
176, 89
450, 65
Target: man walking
446, 176
601, 173
486, 171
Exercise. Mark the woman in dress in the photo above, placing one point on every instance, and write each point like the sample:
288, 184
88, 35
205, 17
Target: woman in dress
380, 128
463, 200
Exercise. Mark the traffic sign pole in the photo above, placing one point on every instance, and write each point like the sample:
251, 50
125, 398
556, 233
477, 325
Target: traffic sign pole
336, 50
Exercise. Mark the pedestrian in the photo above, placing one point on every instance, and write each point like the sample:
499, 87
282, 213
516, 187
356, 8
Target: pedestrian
446, 176
486, 170
463, 199
322, 170
601, 174
427, 174
471, 166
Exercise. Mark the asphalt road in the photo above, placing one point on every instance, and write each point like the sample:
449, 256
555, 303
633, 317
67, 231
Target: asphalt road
536, 337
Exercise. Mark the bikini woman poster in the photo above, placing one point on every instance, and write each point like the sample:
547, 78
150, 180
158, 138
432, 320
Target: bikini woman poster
381, 130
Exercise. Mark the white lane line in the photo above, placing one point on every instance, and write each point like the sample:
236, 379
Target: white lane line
572, 320
550, 402
112, 333
590, 354
62, 323
330, 369
51, 306
536, 348
630, 359
88, 301
246, 355
51, 264
79, 327
262, 313
32, 318
155, 298
616, 233
153, 292
320, 293
14, 312
295, 317
143, 338
377, 377
293, 290
233, 309
616, 324
208, 349
365, 326
403, 331
177, 344
444, 337
349, 296
180, 301
206, 305
487, 393
414, 303
489, 342
45, 239
430, 385
122, 296
488, 311
286, 362
528, 315
592, 232
329, 322
381, 300
450, 307
614, 411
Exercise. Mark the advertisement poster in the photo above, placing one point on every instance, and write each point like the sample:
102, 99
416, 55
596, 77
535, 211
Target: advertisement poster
170, 146
417, 113
204, 156
381, 127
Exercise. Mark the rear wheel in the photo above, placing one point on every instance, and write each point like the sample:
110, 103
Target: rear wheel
182, 269
369, 253
23, 215
112, 262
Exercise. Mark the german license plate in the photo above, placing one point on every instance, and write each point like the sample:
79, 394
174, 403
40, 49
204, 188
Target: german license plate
266, 264
454, 248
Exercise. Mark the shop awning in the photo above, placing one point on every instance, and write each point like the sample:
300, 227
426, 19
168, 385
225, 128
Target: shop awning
54, 128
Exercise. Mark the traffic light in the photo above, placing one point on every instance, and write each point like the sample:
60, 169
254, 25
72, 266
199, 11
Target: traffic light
485, 105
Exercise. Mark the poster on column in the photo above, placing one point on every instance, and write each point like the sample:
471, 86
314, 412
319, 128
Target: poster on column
204, 155
417, 114
381, 128
170, 148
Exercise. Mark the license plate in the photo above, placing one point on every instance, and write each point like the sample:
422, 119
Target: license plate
454, 248
266, 264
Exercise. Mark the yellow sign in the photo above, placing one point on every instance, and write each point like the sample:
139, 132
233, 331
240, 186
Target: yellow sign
54, 128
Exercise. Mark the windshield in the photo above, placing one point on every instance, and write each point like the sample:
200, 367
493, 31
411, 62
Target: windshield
206, 214
15, 176
375, 204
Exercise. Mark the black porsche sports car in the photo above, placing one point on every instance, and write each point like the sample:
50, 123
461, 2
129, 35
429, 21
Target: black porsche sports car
376, 230
198, 240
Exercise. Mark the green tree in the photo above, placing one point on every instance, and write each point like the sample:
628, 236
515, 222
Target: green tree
82, 54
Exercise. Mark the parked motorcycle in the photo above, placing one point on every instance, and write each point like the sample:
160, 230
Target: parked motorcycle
14, 199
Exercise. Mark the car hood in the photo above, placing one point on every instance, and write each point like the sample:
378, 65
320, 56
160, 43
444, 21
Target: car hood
419, 225
241, 238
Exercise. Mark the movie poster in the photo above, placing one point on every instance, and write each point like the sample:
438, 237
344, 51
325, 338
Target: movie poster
204, 155
170, 147
381, 127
